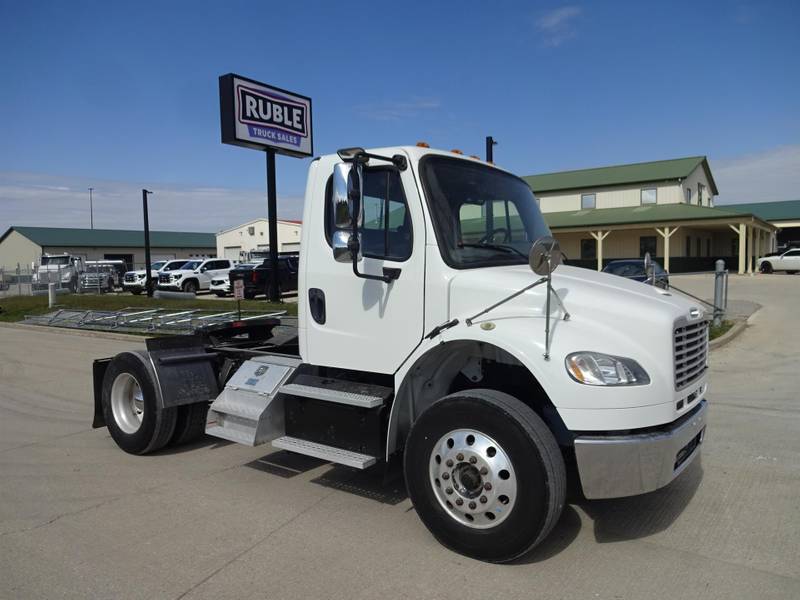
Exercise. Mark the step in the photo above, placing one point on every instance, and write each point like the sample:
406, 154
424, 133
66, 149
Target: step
329, 453
336, 390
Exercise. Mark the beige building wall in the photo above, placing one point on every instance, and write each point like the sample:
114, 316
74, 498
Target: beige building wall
99, 253
609, 197
695, 177
254, 235
16, 248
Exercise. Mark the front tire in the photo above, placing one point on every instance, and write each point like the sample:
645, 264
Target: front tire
130, 406
190, 287
485, 475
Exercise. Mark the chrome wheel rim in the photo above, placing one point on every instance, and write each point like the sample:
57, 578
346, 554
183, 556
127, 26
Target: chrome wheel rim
127, 403
472, 478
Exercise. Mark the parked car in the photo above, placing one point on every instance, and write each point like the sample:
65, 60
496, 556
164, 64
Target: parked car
789, 261
194, 275
135, 281
256, 277
634, 269
101, 275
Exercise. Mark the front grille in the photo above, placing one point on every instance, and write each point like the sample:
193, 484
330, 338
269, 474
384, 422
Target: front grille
164, 278
130, 277
691, 352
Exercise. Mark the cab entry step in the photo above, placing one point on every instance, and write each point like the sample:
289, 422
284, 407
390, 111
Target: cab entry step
362, 395
335, 455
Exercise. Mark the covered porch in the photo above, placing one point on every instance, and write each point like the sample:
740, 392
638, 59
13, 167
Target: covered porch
692, 240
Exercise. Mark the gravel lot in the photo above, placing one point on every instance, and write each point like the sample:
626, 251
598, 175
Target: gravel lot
81, 519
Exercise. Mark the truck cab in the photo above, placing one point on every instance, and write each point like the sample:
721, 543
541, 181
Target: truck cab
437, 330
62, 269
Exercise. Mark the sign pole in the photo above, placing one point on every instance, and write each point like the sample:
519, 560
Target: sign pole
148, 282
272, 215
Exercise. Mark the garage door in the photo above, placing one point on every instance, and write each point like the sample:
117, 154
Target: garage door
232, 252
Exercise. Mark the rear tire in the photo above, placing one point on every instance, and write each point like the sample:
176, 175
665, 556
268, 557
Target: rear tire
791, 272
190, 423
130, 406
766, 268
514, 453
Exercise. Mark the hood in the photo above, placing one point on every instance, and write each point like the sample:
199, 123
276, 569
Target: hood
582, 291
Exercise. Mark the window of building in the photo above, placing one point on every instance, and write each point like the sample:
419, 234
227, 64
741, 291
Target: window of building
708, 247
588, 249
649, 196
735, 246
688, 246
688, 195
251, 230
647, 243
698, 247
587, 200
700, 192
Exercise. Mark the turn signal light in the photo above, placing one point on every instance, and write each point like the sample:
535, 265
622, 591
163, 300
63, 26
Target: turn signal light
423, 145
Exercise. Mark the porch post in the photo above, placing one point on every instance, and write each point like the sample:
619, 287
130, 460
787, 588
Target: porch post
666, 234
750, 250
741, 228
599, 236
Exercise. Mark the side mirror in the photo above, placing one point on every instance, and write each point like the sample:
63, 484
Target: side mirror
346, 195
545, 256
343, 246
649, 269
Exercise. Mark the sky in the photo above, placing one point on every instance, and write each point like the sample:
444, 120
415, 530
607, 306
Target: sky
124, 95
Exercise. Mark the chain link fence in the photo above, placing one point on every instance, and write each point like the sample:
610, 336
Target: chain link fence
70, 278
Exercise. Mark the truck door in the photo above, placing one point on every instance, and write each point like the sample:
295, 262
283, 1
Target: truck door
369, 325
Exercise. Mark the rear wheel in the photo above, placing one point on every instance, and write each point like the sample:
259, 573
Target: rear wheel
130, 406
766, 267
190, 423
485, 474
791, 272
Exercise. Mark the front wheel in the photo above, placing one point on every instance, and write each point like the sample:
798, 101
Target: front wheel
485, 475
190, 287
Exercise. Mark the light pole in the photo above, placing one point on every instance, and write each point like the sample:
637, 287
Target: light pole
490, 143
147, 282
91, 210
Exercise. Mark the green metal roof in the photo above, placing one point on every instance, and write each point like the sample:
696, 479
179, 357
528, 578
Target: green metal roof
787, 210
116, 238
659, 170
653, 213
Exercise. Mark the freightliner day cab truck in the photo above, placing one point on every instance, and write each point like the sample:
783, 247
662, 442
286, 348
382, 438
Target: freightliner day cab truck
434, 332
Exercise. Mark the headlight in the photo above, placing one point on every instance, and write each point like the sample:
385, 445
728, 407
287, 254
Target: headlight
593, 368
142, 276
177, 276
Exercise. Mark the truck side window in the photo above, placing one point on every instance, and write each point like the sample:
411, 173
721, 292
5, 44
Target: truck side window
386, 230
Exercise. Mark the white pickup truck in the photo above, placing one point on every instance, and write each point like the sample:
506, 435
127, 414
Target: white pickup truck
135, 282
437, 330
194, 275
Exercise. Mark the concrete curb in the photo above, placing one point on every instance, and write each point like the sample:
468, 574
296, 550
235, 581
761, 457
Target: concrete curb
730, 335
80, 332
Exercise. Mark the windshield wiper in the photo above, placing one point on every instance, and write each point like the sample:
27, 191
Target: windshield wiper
501, 247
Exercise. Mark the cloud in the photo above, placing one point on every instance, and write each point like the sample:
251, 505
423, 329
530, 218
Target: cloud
397, 111
759, 177
56, 201
557, 26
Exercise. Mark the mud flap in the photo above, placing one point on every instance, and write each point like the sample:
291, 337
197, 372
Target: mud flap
184, 370
98, 373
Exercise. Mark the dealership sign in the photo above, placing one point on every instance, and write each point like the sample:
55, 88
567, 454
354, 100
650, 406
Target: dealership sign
260, 116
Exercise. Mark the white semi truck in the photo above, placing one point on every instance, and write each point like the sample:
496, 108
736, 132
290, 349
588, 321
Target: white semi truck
435, 331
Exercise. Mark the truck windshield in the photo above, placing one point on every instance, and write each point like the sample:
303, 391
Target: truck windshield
157, 265
482, 216
55, 260
174, 265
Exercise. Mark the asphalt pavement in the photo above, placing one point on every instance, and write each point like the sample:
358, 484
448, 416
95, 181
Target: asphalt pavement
79, 518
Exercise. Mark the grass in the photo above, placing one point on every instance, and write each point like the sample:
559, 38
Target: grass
15, 308
719, 330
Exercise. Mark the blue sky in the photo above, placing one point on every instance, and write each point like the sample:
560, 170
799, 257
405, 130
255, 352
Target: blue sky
121, 95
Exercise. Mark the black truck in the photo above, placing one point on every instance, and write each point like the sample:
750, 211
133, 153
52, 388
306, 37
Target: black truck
257, 277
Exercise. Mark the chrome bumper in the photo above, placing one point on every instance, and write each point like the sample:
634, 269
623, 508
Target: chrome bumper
613, 466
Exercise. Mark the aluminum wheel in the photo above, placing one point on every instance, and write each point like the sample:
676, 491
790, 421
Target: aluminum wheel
473, 478
127, 403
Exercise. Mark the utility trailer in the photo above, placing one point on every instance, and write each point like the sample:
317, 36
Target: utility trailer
437, 330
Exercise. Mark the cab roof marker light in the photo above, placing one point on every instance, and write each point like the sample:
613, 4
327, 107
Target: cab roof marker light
423, 145
456, 151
